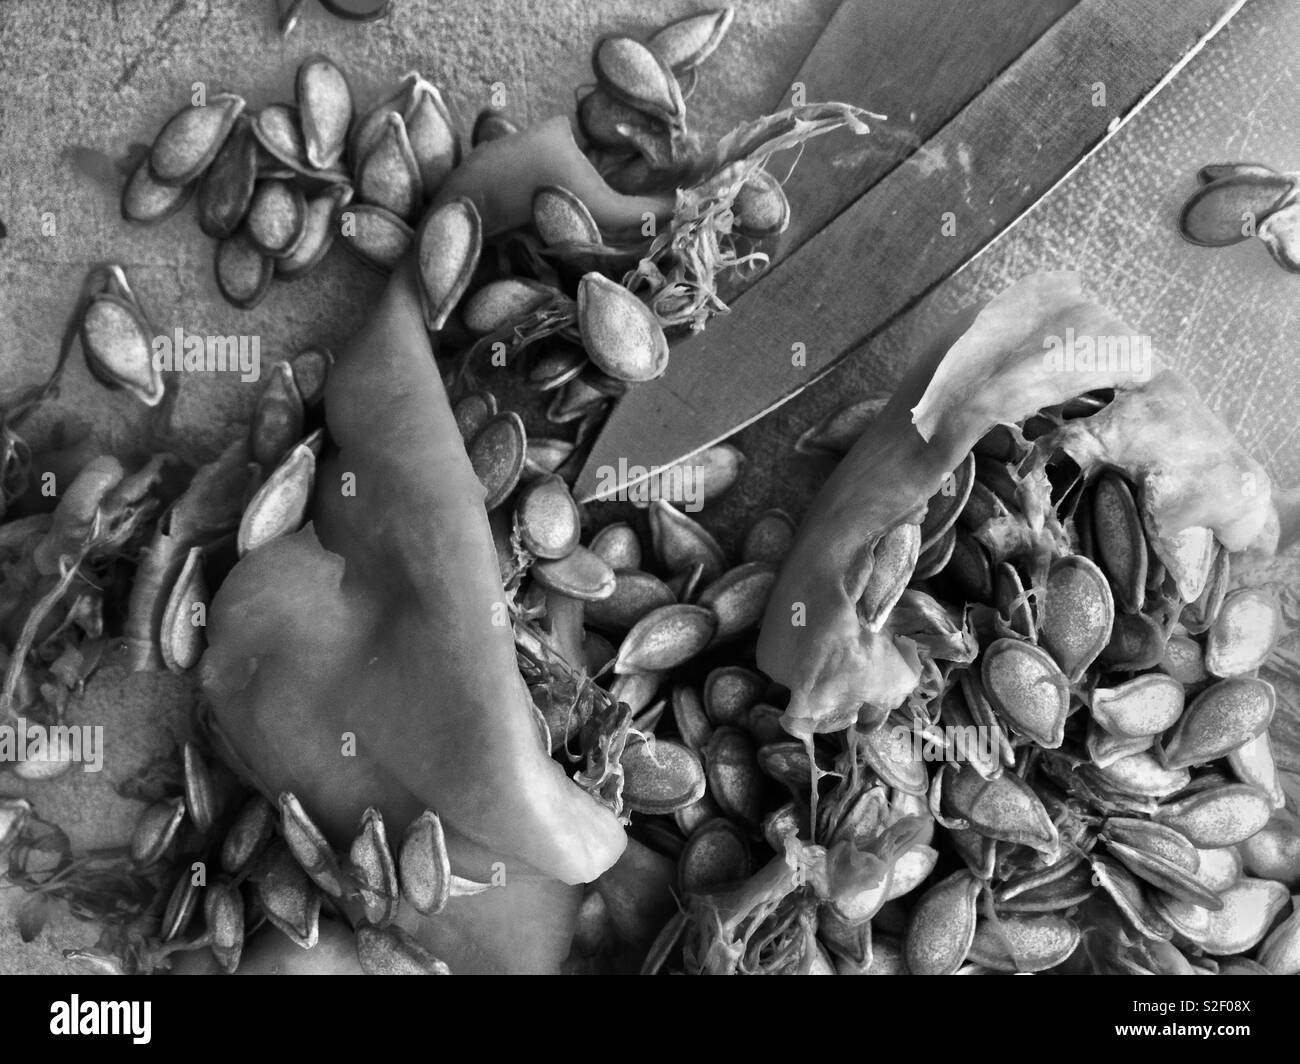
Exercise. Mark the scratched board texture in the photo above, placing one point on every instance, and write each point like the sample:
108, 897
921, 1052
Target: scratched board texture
103, 75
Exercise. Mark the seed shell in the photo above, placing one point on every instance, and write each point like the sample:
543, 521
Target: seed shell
280, 504
761, 208
730, 691
182, 903
546, 518
631, 72
619, 545
893, 562
491, 125
243, 272
636, 594
377, 236
1216, 214
1222, 718
680, 542
472, 412
288, 898
660, 777
941, 928
309, 846
116, 340
769, 539
191, 139
665, 638
156, 830
277, 421
1015, 943
147, 200
498, 303
1028, 690
447, 253
432, 134
620, 333
735, 783
389, 175
424, 866
1144, 706
1120, 540
392, 951
738, 598
278, 130
1280, 233
1243, 633
1223, 816
324, 109
248, 835
180, 637
560, 218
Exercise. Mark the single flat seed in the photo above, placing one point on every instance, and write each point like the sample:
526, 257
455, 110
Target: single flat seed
735, 782
636, 690
687, 42
697, 482
580, 574
378, 236
689, 818
155, 830
769, 539
891, 751
1253, 763
738, 598
1024, 943
1249, 909
147, 200
1145, 777
689, 716
447, 253
560, 217
1136, 642
424, 866
1280, 953
280, 504
1028, 689
432, 134
248, 835
191, 139
1222, 718
1218, 867
497, 455
893, 562
1143, 706
389, 175
182, 903
680, 542
310, 368
279, 131
288, 898
716, 855
761, 208
660, 777
556, 365
180, 634
1243, 634
367, 129
1198, 616
324, 109
392, 951
223, 913
665, 638
619, 545
498, 303
1214, 171
243, 272
1005, 808
729, 693
1217, 214
473, 411
1274, 851
637, 76
116, 340
1189, 557
309, 846
839, 430
277, 422
619, 333
1120, 541
941, 928
935, 558
546, 518
318, 233
1105, 749
226, 189
1184, 661
636, 594
1223, 816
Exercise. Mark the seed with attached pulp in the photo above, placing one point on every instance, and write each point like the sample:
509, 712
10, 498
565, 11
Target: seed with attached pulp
716, 855
580, 574
738, 598
1243, 633
687, 42
634, 74
191, 139
432, 134
893, 560
1189, 557
1218, 214
447, 253
147, 200
620, 334
243, 272
248, 835
660, 777
1028, 690
389, 175
309, 847
560, 218
1223, 816
115, 338
665, 638
391, 951
288, 898
1144, 706
942, 926
735, 782
324, 109
280, 504
761, 208
1222, 718
156, 829
377, 236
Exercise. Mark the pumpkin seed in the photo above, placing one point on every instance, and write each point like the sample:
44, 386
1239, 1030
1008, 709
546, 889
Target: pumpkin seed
372, 865
1253, 763
763, 722
1243, 633
1005, 808
368, 128
280, 504
970, 569
317, 235
1158, 840
424, 866
432, 134
941, 928
498, 303
665, 638
472, 412
310, 369
288, 898
1136, 642
597, 652
1015, 943
392, 951
309, 847
731, 765
1214, 171
911, 870
546, 518
497, 454
635, 594
1249, 908
448, 248
375, 235
688, 714
182, 903
729, 693
620, 334
116, 340
1173, 880
491, 125
248, 835
636, 689
560, 217
580, 574
1184, 661
761, 209
1132, 902
1105, 749
982, 713
738, 598
891, 753
690, 817
243, 272
935, 558
277, 418
610, 123
660, 776
1012, 603
155, 830
619, 545
685, 43
1225, 716
1189, 556
1219, 867
1280, 233
558, 363
147, 200
191, 139
1280, 953
389, 175
202, 801
1120, 540
1028, 690
325, 110
1144, 706
223, 913
638, 893
1189, 920
1216, 214
278, 131
1199, 615
686, 583
712, 473
634, 74
839, 430
769, 539
1145, 777
1223, 816
679, 542
893, 560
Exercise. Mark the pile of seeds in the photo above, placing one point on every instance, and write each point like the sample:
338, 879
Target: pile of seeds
1236, 201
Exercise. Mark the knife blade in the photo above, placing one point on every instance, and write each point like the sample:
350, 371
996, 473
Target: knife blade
1071, 90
